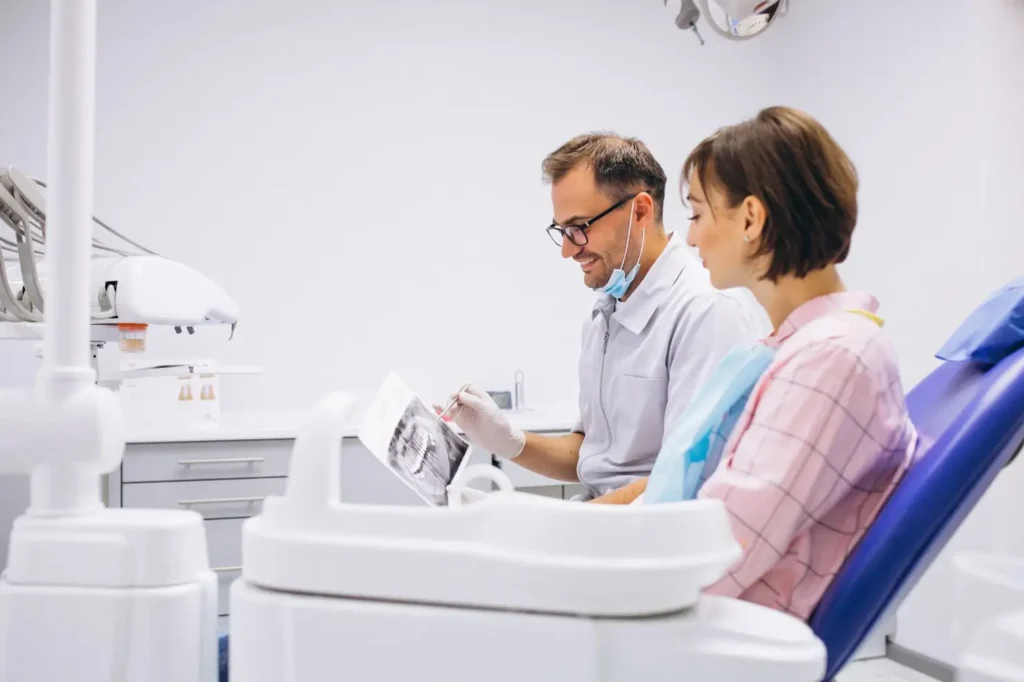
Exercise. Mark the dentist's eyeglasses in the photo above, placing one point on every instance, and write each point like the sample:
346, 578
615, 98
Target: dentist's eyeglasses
577, 232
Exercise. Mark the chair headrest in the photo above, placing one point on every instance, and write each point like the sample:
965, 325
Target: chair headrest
993, 331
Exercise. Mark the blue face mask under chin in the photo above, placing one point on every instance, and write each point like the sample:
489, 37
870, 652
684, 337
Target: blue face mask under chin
619, 282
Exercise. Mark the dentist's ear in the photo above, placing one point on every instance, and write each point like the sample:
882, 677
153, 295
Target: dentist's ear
643, 209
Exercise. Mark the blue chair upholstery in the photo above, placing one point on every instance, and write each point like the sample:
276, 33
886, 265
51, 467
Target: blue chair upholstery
971, 420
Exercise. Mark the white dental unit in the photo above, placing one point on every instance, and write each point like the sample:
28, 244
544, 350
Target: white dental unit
128, 291
522, 587
514, 586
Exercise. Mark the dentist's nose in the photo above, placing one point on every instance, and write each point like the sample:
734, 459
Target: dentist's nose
569, 249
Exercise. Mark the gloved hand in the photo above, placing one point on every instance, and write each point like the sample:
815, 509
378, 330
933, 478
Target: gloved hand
485, 426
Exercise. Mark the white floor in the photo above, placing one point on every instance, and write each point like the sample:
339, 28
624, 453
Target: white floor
880, 670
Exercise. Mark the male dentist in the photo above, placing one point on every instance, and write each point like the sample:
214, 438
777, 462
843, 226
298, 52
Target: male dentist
658, 329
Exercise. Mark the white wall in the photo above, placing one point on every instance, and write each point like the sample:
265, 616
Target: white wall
365, 176
896, 83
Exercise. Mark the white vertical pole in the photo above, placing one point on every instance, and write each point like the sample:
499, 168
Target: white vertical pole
70, 151
71, 487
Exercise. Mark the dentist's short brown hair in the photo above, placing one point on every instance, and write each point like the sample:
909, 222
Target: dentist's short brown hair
621, 165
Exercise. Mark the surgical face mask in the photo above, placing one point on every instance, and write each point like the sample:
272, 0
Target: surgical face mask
619, 282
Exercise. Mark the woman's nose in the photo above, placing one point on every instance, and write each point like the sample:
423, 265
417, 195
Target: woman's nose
690, 238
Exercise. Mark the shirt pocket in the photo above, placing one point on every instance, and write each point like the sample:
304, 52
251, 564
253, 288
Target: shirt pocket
639, 415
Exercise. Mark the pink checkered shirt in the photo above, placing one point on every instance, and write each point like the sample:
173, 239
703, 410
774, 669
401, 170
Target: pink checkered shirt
821, 443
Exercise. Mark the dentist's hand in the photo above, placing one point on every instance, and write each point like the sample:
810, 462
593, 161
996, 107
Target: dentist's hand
485, 426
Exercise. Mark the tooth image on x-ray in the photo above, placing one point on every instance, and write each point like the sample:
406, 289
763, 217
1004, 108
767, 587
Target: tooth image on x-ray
425, 452
407, 437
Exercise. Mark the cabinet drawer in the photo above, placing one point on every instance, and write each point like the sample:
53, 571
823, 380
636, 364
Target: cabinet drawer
151, 462
229, 499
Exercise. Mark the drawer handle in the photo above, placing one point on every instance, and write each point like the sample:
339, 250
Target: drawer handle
226, 569
222, 460
222, 500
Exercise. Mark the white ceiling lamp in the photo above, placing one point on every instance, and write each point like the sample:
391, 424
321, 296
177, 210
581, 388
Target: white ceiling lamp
732, 19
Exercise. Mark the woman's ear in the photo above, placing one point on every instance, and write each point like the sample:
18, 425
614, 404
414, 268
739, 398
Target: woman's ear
754, 217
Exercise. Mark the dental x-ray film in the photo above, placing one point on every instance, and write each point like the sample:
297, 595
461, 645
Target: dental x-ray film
405, 434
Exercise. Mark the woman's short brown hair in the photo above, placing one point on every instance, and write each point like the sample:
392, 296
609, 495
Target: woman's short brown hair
806, 182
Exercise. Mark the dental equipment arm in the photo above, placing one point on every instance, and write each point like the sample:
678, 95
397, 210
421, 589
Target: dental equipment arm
131, 287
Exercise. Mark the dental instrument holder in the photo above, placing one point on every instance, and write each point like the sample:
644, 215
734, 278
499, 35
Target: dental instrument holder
122, 594
586, 592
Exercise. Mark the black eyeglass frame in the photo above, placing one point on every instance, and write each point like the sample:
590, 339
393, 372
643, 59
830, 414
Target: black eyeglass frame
558, 234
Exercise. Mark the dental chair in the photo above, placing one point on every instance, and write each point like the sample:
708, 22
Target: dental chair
970, 415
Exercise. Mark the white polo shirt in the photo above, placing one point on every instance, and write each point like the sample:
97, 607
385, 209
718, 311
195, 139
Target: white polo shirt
643, 359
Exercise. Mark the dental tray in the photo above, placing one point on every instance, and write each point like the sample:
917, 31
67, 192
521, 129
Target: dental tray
510, 550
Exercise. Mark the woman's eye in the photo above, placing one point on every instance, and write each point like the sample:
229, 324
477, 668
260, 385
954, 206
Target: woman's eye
694, 217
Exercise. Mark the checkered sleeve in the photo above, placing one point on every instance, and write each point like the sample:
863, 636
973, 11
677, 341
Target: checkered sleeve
806, 442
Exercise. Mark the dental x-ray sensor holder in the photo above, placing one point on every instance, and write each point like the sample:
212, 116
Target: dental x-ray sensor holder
585, 592
89, 594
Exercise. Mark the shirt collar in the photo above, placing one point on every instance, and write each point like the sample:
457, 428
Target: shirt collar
821, 307
636, 312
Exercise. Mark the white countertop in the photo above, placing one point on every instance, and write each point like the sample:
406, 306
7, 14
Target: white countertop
285, 425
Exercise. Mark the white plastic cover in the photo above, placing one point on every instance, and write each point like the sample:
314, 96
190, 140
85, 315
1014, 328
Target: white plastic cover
509, 551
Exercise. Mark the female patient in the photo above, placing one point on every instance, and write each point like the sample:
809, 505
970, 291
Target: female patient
824, 435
